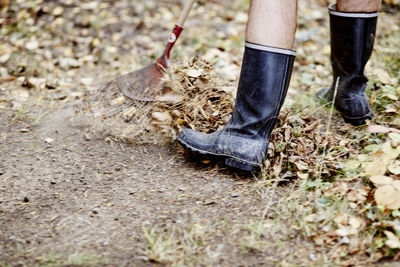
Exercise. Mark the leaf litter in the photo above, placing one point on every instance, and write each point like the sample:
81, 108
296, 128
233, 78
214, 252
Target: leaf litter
193, 97
357, 168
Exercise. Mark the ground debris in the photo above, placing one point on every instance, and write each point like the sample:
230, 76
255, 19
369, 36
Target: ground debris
198, 99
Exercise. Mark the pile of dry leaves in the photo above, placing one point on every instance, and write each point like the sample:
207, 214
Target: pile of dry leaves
302, 147
197, 99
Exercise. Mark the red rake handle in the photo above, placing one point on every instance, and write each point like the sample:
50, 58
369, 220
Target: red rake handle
176, 32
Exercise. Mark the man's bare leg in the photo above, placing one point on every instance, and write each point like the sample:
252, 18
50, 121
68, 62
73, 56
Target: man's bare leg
272, 23
358, 5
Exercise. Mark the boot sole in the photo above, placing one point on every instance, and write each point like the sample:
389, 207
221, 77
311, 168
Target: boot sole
229, 160
356, 121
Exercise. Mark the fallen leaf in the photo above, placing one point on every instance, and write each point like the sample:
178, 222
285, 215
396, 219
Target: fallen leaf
391, 152
393, 241
378, 164
341, 219
383, 75
352, 165
173, 98
346, 231
118, 101
396, 122
381, 129
4, 58
194, 73
391, 97
381, 180
161, 116
302, 175
301, 166
394, 167
388, 197
129, 113
311, 218
395, 137
356, 222
390, 109
396, 184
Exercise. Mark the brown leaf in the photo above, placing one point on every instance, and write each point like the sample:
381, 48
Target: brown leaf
381, 180
383, 75
396, 184
393, 241
395, 138
378, 164
161, 116
356, 222
381, 129
388, 197
301, 166
389, 151
341, 219
194, 73
394, 167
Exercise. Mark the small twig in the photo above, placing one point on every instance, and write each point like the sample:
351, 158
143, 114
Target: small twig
316, 110
329, 126
333, 105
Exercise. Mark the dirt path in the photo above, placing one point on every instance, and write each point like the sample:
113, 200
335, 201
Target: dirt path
63, 194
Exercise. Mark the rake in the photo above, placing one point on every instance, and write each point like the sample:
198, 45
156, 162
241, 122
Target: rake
143, 84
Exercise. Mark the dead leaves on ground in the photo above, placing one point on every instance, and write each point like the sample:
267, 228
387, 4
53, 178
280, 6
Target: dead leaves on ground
193, 97
384, 171
300, 148
382, 167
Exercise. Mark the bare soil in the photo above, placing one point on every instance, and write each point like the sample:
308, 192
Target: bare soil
63, 193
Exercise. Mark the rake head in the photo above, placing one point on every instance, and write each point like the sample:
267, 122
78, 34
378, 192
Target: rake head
142, 84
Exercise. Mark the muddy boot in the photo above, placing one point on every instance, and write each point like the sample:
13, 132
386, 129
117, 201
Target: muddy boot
263, 84
352, 41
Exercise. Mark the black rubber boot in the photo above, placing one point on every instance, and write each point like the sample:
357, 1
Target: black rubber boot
263, 84
352, 41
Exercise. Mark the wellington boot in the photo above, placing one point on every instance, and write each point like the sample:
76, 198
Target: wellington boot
263, 84
352, 41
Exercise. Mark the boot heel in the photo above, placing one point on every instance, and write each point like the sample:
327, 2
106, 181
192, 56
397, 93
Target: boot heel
356, 121
238, 164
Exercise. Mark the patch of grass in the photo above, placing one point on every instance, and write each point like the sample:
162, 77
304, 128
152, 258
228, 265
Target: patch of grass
29, 113
178, 246
75, 259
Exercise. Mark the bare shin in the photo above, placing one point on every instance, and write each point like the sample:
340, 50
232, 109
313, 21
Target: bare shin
272, 23
358, 5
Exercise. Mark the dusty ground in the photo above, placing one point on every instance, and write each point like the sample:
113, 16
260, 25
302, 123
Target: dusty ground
63, 195
88, 196
69, 197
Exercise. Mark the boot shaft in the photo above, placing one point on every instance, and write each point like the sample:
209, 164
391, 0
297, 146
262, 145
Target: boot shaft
263, 84
352, 41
